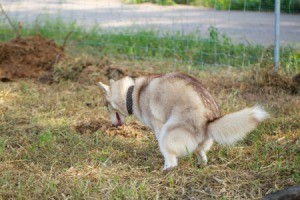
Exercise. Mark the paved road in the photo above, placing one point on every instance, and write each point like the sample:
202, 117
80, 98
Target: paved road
246, 27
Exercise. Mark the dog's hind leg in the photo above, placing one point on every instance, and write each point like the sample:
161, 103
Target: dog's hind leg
169, 156
170, 160
201, 150
175, 142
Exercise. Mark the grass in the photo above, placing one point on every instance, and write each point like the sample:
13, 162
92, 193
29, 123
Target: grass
56, 141
216, 50
43, 155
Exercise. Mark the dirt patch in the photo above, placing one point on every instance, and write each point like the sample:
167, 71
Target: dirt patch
91, 126
260, 77
132, 130
91, 71
87, 71
95, 73
296, 79
28, 57
267, 78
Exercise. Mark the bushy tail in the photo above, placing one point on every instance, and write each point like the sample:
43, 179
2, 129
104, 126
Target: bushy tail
235, 126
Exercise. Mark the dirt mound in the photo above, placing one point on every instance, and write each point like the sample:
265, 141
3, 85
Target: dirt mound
272, 79
266, 77
104, 71
28, 57
91, 126
94, 73
88, 70
296, 79
133, 130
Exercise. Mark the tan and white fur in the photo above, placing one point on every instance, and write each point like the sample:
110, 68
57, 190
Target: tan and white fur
183, 115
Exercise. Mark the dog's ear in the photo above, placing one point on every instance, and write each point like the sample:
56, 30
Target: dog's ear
104, 87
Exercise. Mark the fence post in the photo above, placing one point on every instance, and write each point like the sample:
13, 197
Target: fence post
276, 33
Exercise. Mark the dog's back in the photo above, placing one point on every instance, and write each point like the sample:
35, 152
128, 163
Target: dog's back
174, 95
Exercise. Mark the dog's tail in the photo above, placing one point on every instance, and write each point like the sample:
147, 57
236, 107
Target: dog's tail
235, 126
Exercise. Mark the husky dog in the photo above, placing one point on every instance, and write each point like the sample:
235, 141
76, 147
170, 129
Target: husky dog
183, 115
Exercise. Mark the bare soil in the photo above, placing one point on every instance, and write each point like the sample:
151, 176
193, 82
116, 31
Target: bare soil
104, 71
132, 130
29, 57
36, 57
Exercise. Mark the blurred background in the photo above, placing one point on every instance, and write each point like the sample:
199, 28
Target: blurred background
235, 33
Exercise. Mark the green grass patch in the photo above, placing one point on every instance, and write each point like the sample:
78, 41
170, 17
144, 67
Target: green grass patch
217, 49
194, 49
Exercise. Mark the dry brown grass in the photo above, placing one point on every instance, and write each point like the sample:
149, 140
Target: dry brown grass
56, 143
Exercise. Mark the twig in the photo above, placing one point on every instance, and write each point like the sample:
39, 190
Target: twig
204, 192
66, 38
36, 24
10, 22
249, 43
12, 161
57, 56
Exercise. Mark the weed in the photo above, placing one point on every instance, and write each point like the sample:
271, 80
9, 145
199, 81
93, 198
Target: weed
2, 143
24, 88
46, 138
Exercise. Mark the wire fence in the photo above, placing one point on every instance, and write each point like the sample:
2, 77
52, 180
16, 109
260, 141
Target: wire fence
197, 32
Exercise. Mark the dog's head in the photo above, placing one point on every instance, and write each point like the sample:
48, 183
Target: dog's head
115, 99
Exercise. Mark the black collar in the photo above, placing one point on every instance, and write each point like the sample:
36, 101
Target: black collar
129, 102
